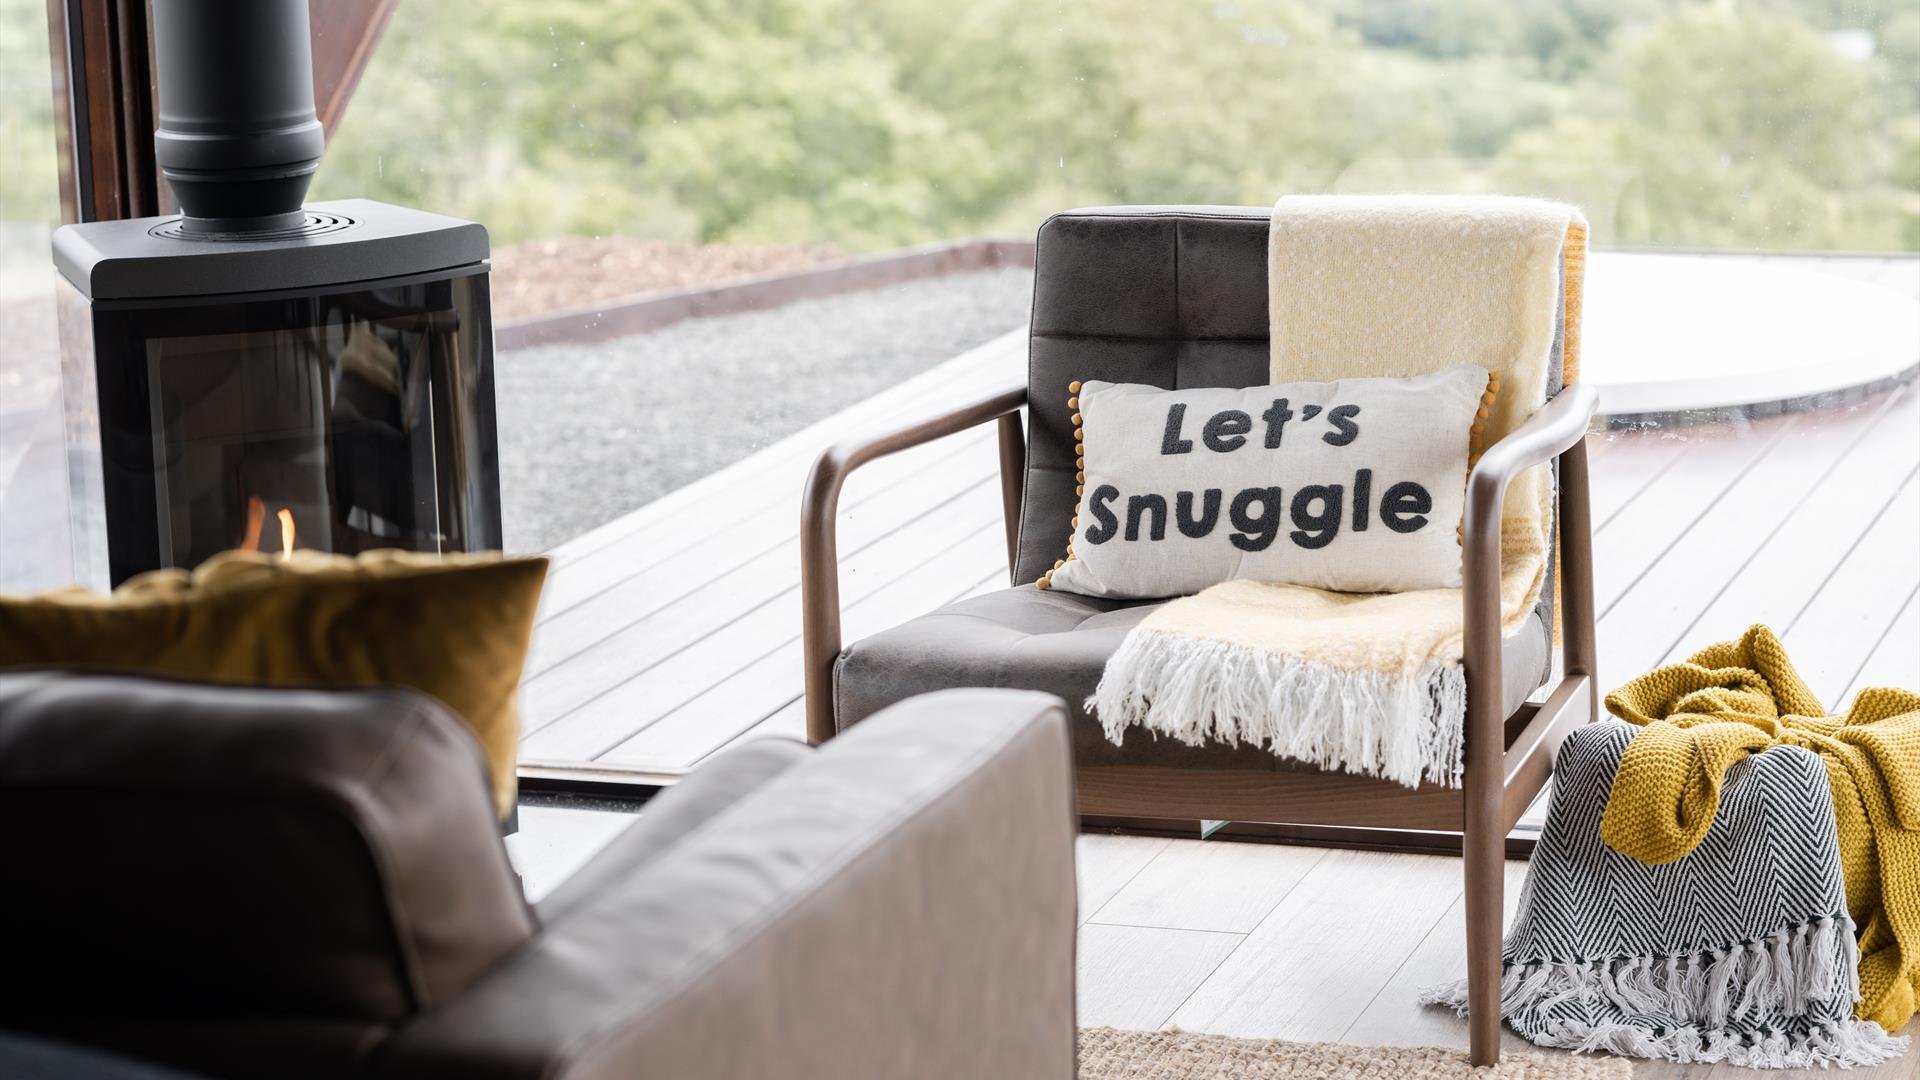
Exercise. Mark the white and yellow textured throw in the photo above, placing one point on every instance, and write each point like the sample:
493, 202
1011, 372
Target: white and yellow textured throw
1390, 286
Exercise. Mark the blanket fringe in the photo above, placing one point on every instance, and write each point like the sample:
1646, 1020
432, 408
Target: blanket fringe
1688, 1002
1406, 728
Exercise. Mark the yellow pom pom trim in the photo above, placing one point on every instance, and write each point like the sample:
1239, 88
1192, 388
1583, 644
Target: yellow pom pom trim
1079, 477
1475, 445
1476, 441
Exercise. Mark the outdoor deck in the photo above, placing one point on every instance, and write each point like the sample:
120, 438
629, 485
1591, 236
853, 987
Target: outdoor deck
675, 630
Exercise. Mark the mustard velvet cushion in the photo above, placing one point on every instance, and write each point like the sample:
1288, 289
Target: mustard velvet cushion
452, 626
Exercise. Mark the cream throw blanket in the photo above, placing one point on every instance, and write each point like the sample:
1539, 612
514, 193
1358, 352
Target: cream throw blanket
1371, 286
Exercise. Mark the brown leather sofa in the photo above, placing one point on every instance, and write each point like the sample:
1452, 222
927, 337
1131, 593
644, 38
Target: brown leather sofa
292, 884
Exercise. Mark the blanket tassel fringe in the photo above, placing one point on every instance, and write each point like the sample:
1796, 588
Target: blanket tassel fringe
1406, 728
1696, 995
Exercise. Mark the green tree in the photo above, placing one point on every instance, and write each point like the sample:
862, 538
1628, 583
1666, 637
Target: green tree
864, 125
29, 186
1745, 126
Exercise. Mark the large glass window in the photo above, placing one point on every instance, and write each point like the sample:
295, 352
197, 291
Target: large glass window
616, 150
34, 549
1751, 171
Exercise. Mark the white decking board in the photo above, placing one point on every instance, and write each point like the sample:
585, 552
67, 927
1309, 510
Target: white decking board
1799, 521
651, 616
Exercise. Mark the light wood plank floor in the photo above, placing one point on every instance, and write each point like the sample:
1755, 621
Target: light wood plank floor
1295, 943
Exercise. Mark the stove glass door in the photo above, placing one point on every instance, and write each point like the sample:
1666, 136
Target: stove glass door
341, 422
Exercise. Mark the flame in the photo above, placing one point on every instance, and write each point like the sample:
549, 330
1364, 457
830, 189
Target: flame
256, 517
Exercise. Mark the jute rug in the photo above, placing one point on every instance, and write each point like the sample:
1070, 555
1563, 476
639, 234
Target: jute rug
1107, 1054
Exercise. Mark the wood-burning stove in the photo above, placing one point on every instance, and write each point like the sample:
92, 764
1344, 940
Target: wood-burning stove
255, 372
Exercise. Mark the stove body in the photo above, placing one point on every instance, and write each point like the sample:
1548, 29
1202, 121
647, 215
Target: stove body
339, 371
255, 372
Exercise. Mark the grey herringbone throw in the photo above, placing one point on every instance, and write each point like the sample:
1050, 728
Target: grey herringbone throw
1741, 951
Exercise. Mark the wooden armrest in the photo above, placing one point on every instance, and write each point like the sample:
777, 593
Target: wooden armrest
819, 507
1551, 431
1559, 430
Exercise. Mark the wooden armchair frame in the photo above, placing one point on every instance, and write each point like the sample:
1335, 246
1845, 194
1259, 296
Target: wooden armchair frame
1508, 758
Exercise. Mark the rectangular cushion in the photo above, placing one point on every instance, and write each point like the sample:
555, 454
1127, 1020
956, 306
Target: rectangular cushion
452, 626
1169, 296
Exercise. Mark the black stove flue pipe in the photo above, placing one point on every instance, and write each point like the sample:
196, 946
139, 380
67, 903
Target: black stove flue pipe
238, 140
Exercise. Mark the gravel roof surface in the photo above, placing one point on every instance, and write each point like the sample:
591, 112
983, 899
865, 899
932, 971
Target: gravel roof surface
589, 432
549, 275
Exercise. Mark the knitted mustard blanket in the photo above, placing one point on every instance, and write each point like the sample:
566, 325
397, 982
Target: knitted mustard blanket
1740, 698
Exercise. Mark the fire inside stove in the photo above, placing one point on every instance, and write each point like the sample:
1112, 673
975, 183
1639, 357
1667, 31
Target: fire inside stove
257, 519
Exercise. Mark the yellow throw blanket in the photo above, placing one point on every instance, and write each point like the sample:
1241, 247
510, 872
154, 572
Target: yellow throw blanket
1375, 286
1739, 698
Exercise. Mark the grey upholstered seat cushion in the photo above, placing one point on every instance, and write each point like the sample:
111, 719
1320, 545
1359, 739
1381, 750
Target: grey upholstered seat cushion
1032, 639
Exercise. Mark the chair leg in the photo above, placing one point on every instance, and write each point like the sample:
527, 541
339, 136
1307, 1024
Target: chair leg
1485, 866
1483, 826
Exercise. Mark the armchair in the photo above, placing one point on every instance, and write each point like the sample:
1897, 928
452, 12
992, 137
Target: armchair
243, 882
1177, 297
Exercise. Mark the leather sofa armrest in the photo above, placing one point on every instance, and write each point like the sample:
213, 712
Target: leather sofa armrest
732, 775
901, 903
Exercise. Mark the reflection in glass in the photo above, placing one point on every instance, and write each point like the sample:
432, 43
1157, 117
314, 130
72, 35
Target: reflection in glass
341, 422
